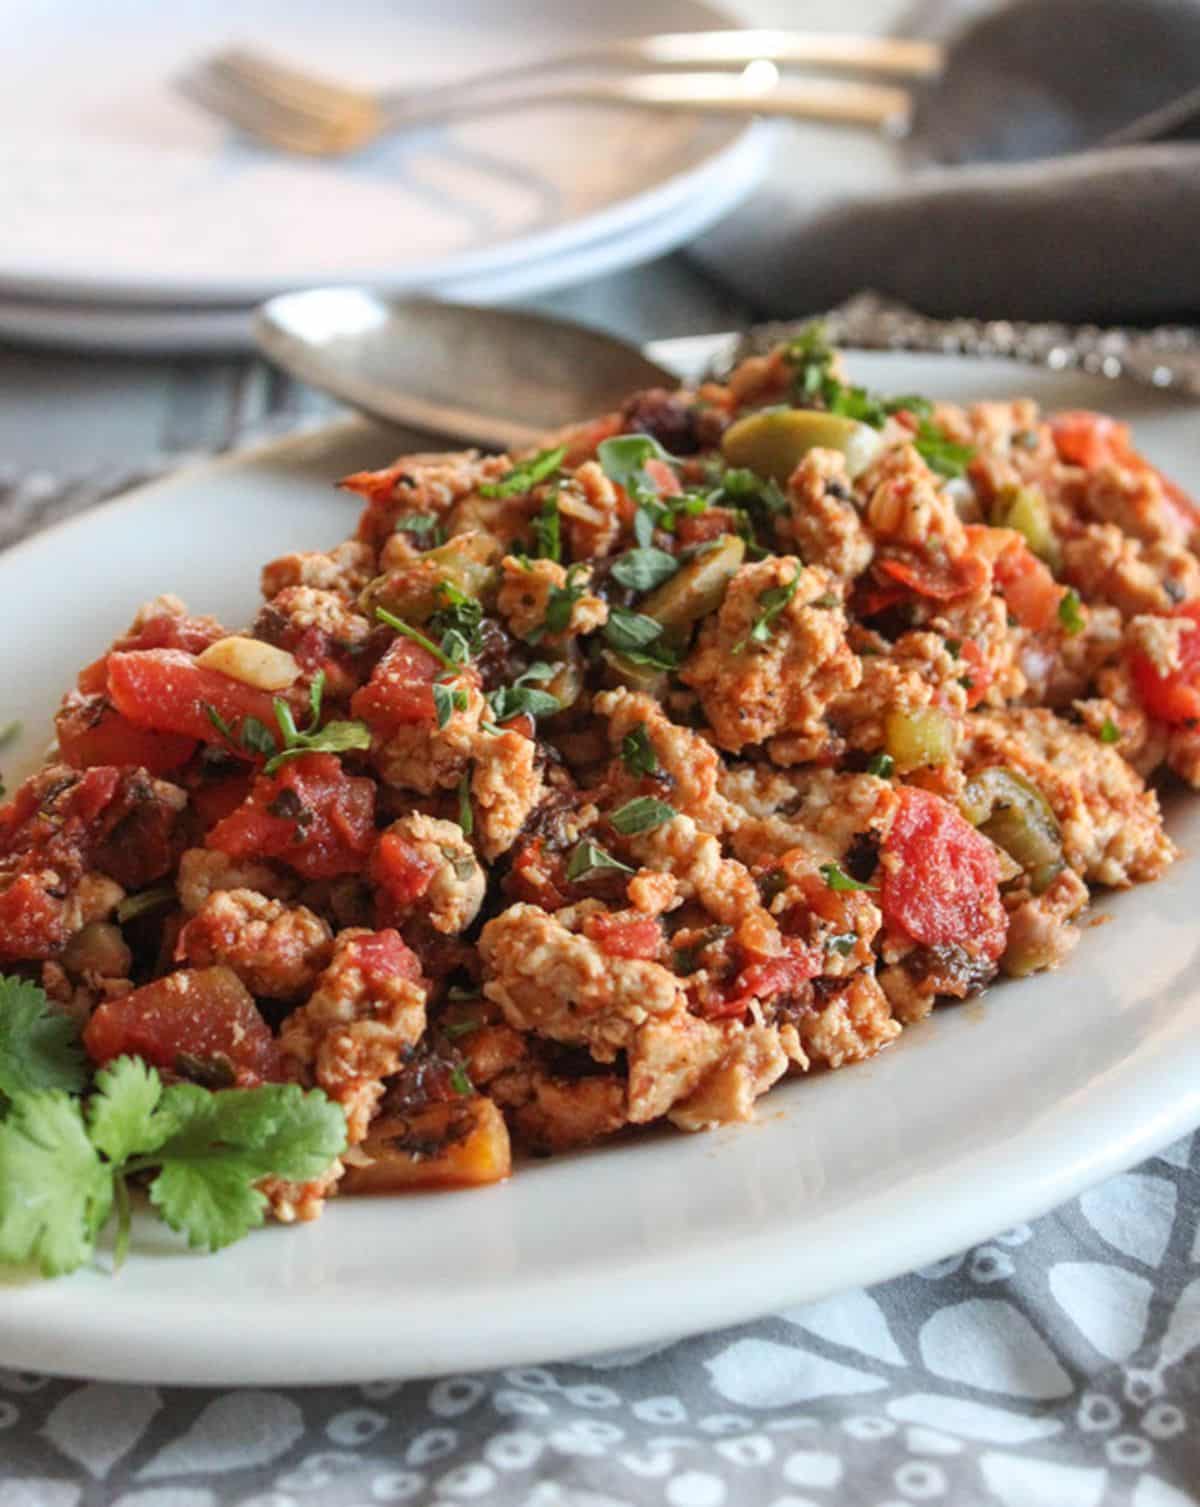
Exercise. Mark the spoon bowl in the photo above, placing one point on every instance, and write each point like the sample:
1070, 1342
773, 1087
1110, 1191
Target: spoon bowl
496, 378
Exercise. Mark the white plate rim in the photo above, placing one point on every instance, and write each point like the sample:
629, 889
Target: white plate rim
1145, 1102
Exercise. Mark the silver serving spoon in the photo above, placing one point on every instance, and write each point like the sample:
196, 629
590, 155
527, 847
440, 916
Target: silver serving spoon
479, 376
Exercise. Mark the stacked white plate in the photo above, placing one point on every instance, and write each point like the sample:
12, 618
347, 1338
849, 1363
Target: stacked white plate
133, 220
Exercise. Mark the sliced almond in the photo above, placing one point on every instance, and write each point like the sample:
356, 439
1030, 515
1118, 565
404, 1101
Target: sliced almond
254, 663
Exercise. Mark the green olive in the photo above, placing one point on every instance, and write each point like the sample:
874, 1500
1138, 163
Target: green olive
624, 672
774, 443
566, 684
1015, 814
1025, 509
918, 739
697, 588
469, 561
408, 591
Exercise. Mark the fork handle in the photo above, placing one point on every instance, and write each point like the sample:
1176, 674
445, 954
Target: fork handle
708, 93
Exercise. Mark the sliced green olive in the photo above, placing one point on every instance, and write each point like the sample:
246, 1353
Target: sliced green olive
624, 672
697, 588
1026, 510
408, 591
469, 561
774, 443
1015, 814
918, 739
566, 684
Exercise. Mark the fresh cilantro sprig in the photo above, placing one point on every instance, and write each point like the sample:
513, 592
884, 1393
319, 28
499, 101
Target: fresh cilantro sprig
588, 858
458, 620
66, 1165
408, 631
447, 700
334, 737
523, 696
547, 530
837, 879
1109, 731
637, 751
526, 474
772, 603
560, 603
422, 526
641, 815
623, 460
644, 568
1070, 613
627, 631
940, 454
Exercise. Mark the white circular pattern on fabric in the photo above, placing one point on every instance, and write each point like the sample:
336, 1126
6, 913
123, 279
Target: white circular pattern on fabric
455, 1395
750, 1449
517, 1450
660, 1410
317, 1470
696, 1489
533, 1379
397, 1486
1163, 1420
472, 1480
508, 1401
726, 1423
1129, 1450
591, 1396
868, 1426
812, 1467
988, 1264
357, 1426
920, 1480
433, 1444
380, 1391
1097, 1412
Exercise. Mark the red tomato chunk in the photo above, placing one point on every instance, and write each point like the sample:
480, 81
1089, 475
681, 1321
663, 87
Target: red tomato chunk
381, 956
624, 936
311, 815
91, 731
400, 690
786, 974
399, 870
197, 1018
1175, 696
940, 878
166, 690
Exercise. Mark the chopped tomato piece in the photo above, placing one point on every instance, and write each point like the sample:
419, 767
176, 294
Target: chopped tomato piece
785, 974
167, 691
383, 955
214, 795
1092, 439
32, 921
399, 869
311, 815
1030, 592
166, 630
937, 576
196, 1021
1173, 697
700, 528
624, 936
538, 876
91, 731
940, 878
400, 690
666, 483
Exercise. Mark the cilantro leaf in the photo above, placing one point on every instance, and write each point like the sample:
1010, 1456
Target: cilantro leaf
122, 1113
222, 1144
39, 1046
55, 1192
623, 460
1109, 731
941, 454
334, 737
400, 626
881, 766
512, 700
458, 618
772, 602
561, 603
643, 569
642, 815
837, 879
466, 816
589, 858
420, 526
627, 631
1069, 614
547, 531
145, 901
526, 474
637, 751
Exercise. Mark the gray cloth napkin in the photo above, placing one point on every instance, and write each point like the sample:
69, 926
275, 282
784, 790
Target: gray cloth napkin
1052, 1366
1001, 204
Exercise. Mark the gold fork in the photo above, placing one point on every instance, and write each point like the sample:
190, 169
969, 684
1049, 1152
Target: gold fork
298, 112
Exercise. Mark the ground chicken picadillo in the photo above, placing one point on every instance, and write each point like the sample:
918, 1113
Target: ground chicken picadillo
713, 744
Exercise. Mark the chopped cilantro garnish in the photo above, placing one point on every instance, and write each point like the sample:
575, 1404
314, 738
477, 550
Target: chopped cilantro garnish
628, 632
561, 603
643, 569
460, 1082
772, 602
417, 637
547, 531
64, 1165
257, 737
837, 879
1109, 731
526, 474
466, 817
637, 751
590, 858
334, 737
623, 460
881, 766
940, 454
421, 526
456, 1028
1069, 614
641, 815
522, 696
457, 621
844, 944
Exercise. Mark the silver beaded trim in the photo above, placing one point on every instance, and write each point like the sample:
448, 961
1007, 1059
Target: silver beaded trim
1166, 357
